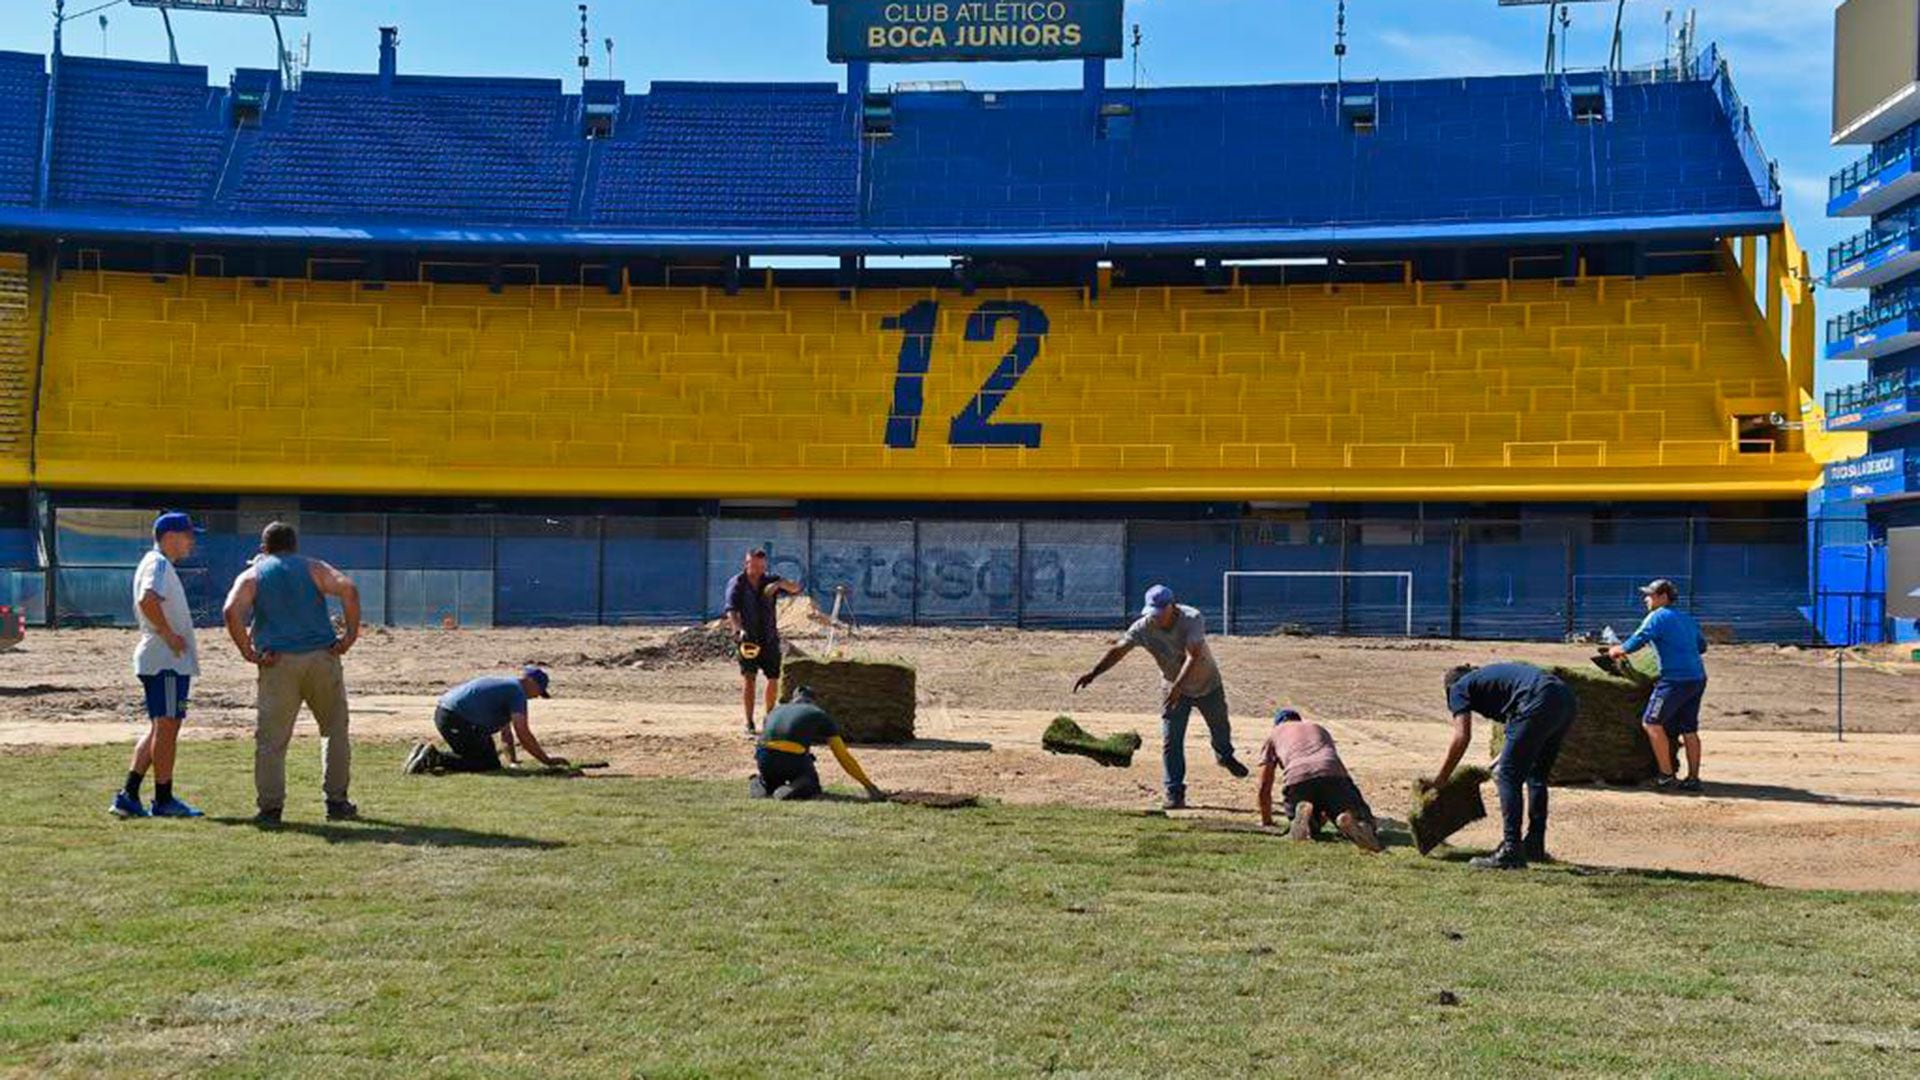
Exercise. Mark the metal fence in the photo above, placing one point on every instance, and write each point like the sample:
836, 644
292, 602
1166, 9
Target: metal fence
1529, 579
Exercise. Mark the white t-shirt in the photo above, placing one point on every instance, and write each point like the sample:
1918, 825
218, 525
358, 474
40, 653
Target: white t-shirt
151, 657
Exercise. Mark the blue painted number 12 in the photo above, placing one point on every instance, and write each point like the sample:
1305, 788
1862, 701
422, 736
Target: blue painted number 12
973, 425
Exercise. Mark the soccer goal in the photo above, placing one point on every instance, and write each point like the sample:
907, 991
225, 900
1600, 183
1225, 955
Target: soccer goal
1403, 579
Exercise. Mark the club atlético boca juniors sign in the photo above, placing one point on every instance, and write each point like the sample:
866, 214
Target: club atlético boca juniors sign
913, 31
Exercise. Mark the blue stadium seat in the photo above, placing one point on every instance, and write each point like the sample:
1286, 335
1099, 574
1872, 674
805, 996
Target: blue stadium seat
131, 135
23, 101
720, 155
788, 157
479, 150
1443, 151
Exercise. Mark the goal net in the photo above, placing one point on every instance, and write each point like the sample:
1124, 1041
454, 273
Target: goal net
1361, 602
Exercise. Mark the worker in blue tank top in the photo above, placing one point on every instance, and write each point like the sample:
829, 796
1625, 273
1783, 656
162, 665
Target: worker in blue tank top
277, 615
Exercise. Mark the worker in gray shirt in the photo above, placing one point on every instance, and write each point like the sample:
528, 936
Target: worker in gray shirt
1176, 636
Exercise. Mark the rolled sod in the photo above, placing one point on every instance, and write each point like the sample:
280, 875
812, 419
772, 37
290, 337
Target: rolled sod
1063, 736
872, 702
1607, 743
1440, 812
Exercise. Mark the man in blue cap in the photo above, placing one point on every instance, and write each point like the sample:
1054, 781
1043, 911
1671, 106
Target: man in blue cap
1673, 712
472, 714
165, 661
1175, 635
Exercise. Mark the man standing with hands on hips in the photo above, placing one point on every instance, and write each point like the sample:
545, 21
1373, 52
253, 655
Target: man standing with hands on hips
166, 661
277, 616
1176, 636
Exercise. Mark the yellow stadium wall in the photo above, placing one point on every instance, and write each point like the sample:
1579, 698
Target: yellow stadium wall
1604, 388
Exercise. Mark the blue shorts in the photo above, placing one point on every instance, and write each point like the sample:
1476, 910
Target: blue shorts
1675, 706
166, 695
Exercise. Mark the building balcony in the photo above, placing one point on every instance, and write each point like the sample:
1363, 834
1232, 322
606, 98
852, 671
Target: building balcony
1891, 474
1888, 251
1876, 183
1875, 405
1881, 329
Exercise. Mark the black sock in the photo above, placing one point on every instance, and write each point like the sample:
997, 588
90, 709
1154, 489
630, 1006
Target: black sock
162, 792
133, 784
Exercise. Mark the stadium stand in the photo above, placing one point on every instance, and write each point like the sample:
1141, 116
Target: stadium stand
512, 354
1481, 157
136, 136
486, 150
23, 89
19, 328
730, 156
1269, 392
1453, 150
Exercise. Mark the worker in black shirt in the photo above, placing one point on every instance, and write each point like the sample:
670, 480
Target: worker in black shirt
1538, 709
752, 598
785, 753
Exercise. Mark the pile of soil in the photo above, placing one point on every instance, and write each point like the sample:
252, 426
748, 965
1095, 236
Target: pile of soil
1440, 812
1606, 744
871, 702
692, 647
1064, 736
711, 643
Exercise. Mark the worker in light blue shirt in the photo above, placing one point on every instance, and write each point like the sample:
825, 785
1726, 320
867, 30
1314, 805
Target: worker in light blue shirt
1673, 712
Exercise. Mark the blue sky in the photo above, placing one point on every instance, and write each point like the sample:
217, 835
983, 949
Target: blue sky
1780, 50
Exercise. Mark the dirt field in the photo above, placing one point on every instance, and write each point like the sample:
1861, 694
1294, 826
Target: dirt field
1786, 804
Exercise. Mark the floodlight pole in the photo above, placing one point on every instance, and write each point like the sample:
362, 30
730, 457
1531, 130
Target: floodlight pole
1550, 40
1617, 58
173, 51
281, 59
53, 94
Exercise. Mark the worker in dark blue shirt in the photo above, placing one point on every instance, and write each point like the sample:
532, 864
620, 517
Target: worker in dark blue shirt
753, 615
471, 715
1673, 712
1538, 710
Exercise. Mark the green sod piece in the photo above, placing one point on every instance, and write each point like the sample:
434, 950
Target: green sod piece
1607, 743
872, 702
1440, 812
1066, 737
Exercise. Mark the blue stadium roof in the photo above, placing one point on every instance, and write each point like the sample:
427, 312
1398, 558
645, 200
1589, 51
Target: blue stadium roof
154, 151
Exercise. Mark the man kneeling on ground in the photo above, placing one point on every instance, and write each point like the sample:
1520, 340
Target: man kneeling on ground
785, 754
472, 714
1316, 786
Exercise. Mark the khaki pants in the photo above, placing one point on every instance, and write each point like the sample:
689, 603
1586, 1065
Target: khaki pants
315, 679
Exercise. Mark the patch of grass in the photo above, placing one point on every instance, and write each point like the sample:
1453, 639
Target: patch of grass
545, 927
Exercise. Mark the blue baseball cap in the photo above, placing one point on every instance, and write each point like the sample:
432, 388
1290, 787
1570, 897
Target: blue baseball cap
539, 678
174, 521
1286, 715
1159, 598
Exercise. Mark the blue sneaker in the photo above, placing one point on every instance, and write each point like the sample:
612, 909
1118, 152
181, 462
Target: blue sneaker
174, 808
126, 806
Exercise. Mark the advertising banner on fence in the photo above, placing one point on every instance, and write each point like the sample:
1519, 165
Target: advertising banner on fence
907, 31
1875, 476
